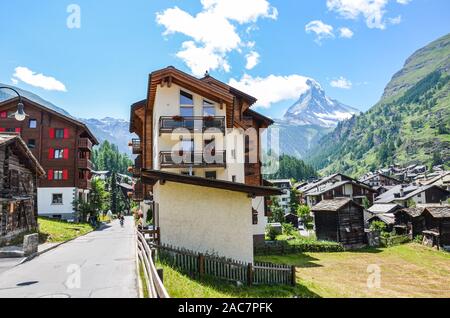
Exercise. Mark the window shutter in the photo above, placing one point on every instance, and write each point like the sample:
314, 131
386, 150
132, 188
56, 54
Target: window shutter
52, 133
2, 129
3, 115
65, 174
51, 153
18, 130
50, 174
66, 133
66, 153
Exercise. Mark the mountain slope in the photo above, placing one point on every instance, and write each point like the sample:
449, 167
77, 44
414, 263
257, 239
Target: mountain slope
315, 108
309, 119
411, 123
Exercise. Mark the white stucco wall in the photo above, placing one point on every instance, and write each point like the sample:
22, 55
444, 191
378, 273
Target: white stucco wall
206, 220
45, 206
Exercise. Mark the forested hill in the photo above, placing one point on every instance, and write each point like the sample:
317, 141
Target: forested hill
411, 123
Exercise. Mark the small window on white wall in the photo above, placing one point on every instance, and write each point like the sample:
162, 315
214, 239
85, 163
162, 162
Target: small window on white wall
186, 104
57, 198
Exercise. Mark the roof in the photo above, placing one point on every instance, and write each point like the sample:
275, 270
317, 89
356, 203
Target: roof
413, 212
252, 113
379, 175
389, 196
134, 107
126, 186
64, 115
333, 205
153, 176
388, 218
9, 138
437, 211
383, 208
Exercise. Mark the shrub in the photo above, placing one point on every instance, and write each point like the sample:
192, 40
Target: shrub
418, 239
378, 226
288, 229
289, 245
272, 233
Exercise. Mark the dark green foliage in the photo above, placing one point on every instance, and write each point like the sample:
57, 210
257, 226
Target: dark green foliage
277, 211
293, 168
294, 201
114, 193
300, 246
107, 157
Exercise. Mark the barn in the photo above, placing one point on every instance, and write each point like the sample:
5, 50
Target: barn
340, 220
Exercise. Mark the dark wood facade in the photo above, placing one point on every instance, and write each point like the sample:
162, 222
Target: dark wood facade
340, 220
62, 145
19, 172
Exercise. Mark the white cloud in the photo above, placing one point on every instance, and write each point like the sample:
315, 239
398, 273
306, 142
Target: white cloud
37, 80
372, 10
346, 33
341, 82
252, 60
272, 89
404, 1
14, 81
214, 30
321, 30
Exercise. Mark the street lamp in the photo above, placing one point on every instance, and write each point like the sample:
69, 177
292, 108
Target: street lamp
20, 114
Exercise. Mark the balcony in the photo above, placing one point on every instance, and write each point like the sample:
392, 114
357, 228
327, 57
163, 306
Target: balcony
192, 124
85, 164
193, 159
85, 184
136, 169
138, 193
136, 146
85, 143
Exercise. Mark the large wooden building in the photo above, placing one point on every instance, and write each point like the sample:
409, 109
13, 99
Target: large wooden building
63, 147
202, 136
340, 220
19, 172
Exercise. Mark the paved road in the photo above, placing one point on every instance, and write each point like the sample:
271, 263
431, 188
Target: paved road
98, 265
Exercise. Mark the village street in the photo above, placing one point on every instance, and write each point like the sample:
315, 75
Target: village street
99, 265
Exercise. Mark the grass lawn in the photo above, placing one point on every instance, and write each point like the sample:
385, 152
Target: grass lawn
408, 270
182, 286
53, 231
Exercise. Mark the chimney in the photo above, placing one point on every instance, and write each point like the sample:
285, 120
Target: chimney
402, 193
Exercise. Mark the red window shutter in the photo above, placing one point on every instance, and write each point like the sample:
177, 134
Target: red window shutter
66, 133
66, 153
2, 129
18, 130
50, 175
51, 133
51, 153
65, 174
3, 115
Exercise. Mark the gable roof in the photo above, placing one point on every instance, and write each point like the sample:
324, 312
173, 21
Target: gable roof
387, 218
379, 175
383, 208
437, 211
65, 116
153, 176
333, 205
9, 138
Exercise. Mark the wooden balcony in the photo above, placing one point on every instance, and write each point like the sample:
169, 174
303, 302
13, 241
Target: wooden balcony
85, 164
136, 146
85, 143
192, 124
138, 192
85, 184
193, 159
136, 169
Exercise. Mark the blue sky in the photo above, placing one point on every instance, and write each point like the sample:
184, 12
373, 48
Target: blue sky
268, 47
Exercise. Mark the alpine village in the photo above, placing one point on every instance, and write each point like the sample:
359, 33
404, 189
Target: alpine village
207, 216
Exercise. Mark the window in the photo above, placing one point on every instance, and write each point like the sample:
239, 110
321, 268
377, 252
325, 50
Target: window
59, 133
10, 129
31, 143
209, 109
187, 173
186, 104
32, 124
187, 145
57, 198
59, 154
58, 175
233, 178
211, 175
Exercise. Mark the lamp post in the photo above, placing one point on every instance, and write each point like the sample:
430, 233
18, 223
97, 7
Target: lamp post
20, 114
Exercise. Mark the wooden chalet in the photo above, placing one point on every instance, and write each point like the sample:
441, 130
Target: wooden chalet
19, 173
340, 220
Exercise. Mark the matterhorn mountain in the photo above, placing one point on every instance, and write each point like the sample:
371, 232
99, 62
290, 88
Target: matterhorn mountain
314, 107
309, 119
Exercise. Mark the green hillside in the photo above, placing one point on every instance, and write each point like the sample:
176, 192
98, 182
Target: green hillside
410, 124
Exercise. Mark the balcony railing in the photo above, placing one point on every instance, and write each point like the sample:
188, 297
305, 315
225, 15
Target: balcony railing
192, 159
137, 167
85, 184
136, 146
192, 124
85, 143
85, 164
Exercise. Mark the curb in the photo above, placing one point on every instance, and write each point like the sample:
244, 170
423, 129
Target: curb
29, 258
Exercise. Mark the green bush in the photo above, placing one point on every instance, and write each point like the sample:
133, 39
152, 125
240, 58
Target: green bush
272, 233
286, 244
288, 229
391, 239
378, 226
418, 239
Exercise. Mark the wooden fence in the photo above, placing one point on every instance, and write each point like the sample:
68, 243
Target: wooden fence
197, 264
153, 282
